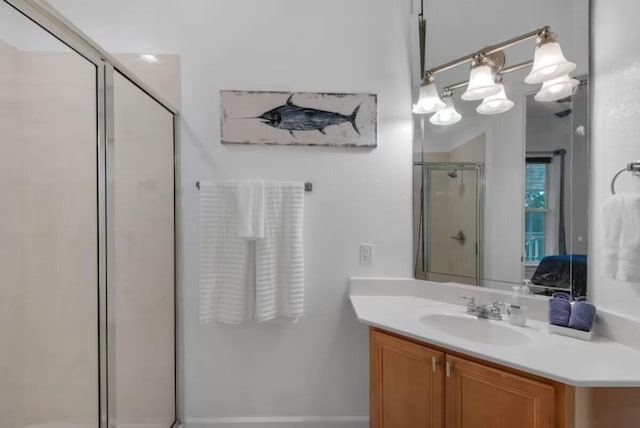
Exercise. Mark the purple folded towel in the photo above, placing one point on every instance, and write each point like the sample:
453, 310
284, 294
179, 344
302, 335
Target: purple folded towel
583, 315
560, 309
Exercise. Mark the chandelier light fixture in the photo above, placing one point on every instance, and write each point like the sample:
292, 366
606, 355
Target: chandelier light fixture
549, 67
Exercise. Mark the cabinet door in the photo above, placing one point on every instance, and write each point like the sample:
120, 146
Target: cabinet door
482, 397
407, 384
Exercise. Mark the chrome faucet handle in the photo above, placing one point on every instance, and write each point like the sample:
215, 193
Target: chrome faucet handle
472, 308
496, 310
471, 300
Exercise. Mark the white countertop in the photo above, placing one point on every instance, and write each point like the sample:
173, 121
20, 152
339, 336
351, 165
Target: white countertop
600, 362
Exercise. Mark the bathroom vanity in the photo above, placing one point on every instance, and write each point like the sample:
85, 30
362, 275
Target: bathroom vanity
415, 384
432, 365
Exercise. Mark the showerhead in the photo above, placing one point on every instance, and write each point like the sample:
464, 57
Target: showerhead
453, 174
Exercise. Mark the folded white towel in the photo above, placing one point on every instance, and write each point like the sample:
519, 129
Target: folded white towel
279, 256
621, 218
224, 256
251, 209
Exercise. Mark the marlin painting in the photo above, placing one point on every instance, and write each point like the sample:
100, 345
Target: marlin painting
298, 118
291, 117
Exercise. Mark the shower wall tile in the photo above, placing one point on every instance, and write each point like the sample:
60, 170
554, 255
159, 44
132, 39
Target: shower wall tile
58, 124
12, 295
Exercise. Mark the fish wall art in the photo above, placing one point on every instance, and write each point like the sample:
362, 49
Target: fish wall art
298, 118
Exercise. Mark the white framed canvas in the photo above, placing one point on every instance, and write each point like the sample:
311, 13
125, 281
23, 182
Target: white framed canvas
298, 118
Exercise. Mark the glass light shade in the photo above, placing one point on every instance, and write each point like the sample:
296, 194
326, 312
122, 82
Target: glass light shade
446, 116
498, 103
429, 100
417, 109
548, 63
556, 89
481, 84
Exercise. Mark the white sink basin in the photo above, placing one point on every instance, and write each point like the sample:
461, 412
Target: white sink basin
479, 330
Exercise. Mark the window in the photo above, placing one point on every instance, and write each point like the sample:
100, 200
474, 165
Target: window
535, 209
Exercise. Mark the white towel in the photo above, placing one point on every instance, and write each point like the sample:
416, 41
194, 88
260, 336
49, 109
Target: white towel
621, 218
224, 256
279, 256
251, 209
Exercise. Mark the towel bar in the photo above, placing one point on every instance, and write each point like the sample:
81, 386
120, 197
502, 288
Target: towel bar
633, 167
308, 187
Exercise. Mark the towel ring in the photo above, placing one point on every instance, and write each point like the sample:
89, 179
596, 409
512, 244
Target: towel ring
633, 167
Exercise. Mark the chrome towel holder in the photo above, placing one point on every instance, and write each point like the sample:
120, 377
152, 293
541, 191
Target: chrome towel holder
633, 167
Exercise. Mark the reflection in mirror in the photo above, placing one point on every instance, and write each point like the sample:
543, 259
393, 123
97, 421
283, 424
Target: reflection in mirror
452, 217
555, 194
488, 199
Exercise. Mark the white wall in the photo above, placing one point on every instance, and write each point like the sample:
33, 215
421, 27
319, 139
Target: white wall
616, 133
317, 367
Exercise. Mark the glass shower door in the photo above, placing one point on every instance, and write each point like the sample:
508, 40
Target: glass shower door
140, 238
49, 372
452, 223
87, 234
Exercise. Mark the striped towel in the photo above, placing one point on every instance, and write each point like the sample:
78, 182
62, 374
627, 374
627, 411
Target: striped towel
224, 256
231, 280
279, 256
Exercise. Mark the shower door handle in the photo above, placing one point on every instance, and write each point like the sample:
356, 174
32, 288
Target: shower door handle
460, 237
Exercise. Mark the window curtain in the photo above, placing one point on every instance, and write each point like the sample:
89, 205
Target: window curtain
553, 208
555, 234
562, 242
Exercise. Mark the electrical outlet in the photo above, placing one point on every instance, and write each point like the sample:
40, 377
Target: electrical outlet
366, 254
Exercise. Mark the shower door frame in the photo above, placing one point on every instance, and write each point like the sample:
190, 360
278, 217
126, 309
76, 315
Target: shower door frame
47, 18
426, 224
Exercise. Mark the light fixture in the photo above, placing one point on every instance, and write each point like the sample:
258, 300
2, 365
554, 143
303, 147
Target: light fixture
495, 104
448, 115
556, 89
488, 65
548, 60
481, 83
429, 101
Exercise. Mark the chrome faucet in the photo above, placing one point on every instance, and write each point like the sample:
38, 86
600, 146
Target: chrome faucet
482, 311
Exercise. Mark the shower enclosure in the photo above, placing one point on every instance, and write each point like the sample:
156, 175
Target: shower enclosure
450, 221
87, 233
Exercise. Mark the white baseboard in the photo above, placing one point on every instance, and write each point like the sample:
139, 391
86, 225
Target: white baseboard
61, 426
94, 426
280, 422
141, 426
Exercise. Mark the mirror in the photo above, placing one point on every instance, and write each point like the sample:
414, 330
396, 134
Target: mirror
500, 199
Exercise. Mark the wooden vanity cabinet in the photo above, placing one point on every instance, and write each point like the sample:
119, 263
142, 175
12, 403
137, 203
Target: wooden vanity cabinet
406, 383
418, 386
484, 397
